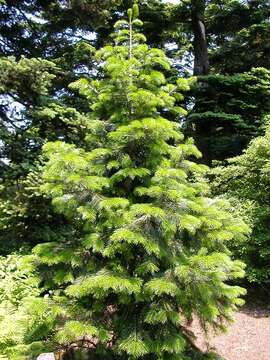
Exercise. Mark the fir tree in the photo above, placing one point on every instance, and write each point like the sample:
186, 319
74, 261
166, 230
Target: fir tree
148, 248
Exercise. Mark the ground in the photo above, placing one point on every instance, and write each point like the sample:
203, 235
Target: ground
248, 338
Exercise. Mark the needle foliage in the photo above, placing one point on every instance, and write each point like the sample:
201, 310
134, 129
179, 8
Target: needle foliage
148, 246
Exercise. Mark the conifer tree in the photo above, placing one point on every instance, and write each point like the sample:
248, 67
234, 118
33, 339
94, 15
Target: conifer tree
148, 248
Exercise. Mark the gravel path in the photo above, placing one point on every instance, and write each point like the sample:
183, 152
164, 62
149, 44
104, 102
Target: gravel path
248, 338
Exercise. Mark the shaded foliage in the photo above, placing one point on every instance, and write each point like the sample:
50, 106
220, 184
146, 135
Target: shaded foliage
229, 111
246, 178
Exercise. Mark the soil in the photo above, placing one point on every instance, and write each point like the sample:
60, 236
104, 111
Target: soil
248, 338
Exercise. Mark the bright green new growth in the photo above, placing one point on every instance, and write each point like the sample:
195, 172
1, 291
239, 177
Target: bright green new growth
149, 246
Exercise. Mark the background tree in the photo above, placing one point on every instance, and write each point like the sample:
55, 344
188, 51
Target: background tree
229, 112
237, 33
224, 117
201, 60
26, 84
246, 179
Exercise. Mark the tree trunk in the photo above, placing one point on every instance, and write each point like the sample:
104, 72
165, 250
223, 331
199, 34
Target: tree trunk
201, 61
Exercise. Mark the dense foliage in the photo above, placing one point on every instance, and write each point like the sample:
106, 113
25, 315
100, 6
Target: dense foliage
229, 112
246, 179
127, 243
148, 247
19, 292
